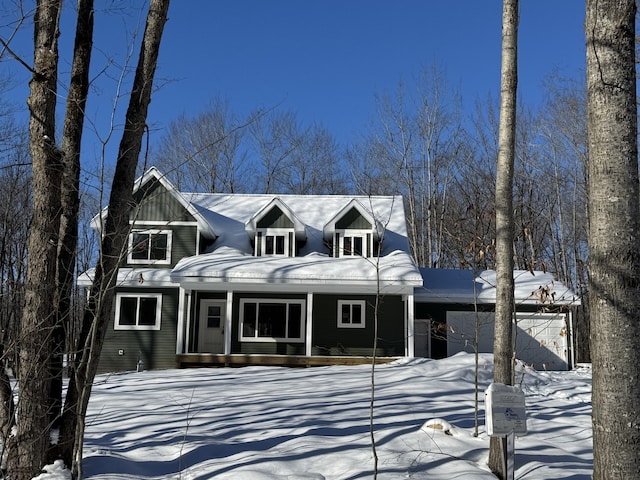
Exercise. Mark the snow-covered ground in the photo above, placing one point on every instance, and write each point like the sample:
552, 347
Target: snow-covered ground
271, 423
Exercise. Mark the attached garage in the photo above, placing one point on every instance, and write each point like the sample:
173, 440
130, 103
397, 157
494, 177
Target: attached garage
453, 305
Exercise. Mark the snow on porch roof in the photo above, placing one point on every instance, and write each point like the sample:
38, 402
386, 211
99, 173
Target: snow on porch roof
457, 286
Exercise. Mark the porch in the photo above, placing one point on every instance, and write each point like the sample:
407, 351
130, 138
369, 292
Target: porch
242, 360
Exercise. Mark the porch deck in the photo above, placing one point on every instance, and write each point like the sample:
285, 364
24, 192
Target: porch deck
238, 360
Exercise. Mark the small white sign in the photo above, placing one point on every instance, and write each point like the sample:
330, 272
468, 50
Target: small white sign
505, 410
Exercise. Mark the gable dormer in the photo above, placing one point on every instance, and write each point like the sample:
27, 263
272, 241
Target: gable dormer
352, 232
164, 226
275, 230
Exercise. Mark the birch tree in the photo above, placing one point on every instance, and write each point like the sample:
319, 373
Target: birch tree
614, 229
503, 345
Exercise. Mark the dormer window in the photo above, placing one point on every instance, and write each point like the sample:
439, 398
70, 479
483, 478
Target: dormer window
149, 246
354, 243
275, 231
275, 242
351, 232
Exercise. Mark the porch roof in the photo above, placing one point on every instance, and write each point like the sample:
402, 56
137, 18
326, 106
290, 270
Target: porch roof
228, 266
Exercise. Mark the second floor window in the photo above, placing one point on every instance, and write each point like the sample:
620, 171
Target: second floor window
275, 242
150, 246
353, 243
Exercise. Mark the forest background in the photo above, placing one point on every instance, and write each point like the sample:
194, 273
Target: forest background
290, 99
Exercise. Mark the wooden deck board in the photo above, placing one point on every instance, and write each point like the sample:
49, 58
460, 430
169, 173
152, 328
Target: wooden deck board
238, 360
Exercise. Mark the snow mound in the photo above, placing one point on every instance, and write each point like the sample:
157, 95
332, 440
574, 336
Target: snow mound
57, 471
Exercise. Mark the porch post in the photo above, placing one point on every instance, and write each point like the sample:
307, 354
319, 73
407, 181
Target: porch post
309, 325
410, 326
180, 327
228, 323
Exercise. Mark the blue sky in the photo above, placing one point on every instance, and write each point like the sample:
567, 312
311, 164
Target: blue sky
325, 60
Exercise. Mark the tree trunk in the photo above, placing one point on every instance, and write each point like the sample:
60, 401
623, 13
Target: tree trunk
614, 229
32, 433
70, 199
115, 231
503, 345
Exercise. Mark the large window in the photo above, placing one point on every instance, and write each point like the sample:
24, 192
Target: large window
138, 312
150, 246
351, 313
271, 320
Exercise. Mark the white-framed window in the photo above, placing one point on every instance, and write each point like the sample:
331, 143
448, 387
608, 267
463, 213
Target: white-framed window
351, 313
275, 242
138, 311
149, 246
272, 320
355, 243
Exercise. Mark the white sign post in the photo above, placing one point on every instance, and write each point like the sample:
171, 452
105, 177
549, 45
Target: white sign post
506, 417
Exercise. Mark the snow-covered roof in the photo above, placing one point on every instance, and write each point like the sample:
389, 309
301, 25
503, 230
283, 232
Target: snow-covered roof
462, 286
133, 277
231, 259
229, 213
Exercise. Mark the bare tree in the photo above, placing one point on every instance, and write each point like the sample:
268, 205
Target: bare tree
29, 446
417, 136
70, 198
53, 234
114, 235
206, 152
614, 226
503, 343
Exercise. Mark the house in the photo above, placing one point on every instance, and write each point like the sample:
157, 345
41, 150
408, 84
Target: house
223, 279
452, 305
229, 279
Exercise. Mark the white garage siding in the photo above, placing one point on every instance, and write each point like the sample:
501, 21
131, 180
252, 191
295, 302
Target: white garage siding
541, 339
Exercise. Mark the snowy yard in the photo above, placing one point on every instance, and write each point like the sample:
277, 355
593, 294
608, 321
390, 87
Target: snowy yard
271, 423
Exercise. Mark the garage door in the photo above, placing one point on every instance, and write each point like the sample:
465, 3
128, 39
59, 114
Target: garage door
540, 338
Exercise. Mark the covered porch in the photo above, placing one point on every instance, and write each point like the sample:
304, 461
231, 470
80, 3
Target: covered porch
190, 360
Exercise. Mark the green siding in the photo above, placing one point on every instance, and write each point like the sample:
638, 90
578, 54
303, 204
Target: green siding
156, 348
354, 220
329, 339
275, 218
183, 242
155, 203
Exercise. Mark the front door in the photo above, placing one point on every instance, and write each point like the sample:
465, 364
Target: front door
211, 326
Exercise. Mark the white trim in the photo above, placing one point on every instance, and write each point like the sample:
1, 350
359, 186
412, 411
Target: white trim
137, 326
351, 303
409, 320
319, 286
180, 325
309, 326
148, 260
228, 323
158, 223
258, 301
355, 233
275, 232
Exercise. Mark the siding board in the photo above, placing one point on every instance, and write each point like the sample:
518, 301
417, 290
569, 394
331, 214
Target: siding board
156, 348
